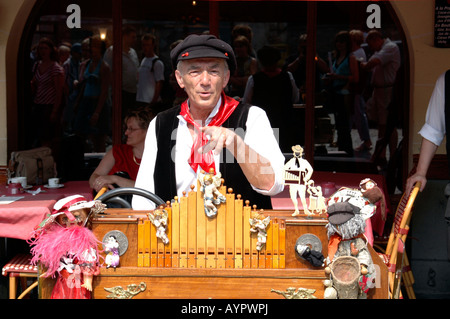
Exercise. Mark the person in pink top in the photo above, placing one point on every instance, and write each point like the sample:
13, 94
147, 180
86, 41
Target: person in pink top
47, 90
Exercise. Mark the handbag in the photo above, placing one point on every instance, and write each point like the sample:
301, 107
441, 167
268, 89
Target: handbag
37, 165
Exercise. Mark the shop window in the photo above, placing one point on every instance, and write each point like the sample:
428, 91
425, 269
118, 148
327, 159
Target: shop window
279, 24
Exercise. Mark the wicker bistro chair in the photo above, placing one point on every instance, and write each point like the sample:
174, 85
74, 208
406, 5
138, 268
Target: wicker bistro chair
19, 267
399, 232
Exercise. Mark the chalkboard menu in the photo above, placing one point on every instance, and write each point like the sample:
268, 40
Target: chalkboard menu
442, 24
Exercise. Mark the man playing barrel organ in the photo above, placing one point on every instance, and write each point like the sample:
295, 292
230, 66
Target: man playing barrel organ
190, 137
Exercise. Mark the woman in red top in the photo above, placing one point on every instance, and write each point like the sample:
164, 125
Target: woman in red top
123, 158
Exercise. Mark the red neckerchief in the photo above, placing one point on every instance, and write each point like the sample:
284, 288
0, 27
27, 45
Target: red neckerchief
206, 160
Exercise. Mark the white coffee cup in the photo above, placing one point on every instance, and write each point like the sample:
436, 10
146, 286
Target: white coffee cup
20, 179
53, 182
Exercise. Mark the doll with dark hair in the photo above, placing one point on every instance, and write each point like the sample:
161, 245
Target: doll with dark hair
374, 194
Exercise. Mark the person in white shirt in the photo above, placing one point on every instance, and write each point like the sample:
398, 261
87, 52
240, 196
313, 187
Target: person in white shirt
432, 132
151, 74
209, 131
384, 64
130, 65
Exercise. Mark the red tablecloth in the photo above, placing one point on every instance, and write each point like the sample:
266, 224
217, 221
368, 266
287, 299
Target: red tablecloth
18, 219
282, 201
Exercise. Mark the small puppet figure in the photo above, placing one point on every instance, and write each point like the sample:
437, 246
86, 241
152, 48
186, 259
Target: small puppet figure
211, 195
259, 225
112, 258
298, 172
159, 218
314, 257
330, 292
66, 247
316, 199
373, 194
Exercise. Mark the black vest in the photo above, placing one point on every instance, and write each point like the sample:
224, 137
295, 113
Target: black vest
164, 175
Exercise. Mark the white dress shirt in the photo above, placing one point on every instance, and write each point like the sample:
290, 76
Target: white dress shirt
434, 127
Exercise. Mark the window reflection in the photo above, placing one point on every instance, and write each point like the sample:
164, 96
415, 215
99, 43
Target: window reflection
278, 24
349, 105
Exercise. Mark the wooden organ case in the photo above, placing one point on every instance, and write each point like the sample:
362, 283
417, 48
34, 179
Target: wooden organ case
213, 257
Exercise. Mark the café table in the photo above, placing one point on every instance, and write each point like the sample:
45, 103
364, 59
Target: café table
18, 218
70, 188
282, 201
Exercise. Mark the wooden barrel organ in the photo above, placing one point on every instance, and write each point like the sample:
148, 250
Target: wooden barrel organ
213, 257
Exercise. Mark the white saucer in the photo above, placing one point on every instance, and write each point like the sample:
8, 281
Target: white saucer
57, 186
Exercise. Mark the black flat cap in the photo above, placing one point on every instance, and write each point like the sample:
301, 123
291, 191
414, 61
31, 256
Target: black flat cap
340, 212
203, 46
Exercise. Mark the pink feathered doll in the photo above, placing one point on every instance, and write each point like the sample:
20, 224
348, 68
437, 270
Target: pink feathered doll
66, 247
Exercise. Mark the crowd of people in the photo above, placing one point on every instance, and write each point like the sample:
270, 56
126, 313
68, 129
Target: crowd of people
360, 90
71, 88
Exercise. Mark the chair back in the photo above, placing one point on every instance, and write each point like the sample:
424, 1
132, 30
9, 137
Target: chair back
402, 216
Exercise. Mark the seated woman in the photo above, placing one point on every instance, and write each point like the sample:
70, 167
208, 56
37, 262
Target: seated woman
120, 165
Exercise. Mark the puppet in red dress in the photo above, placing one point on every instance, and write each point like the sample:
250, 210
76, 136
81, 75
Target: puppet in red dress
66, 247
